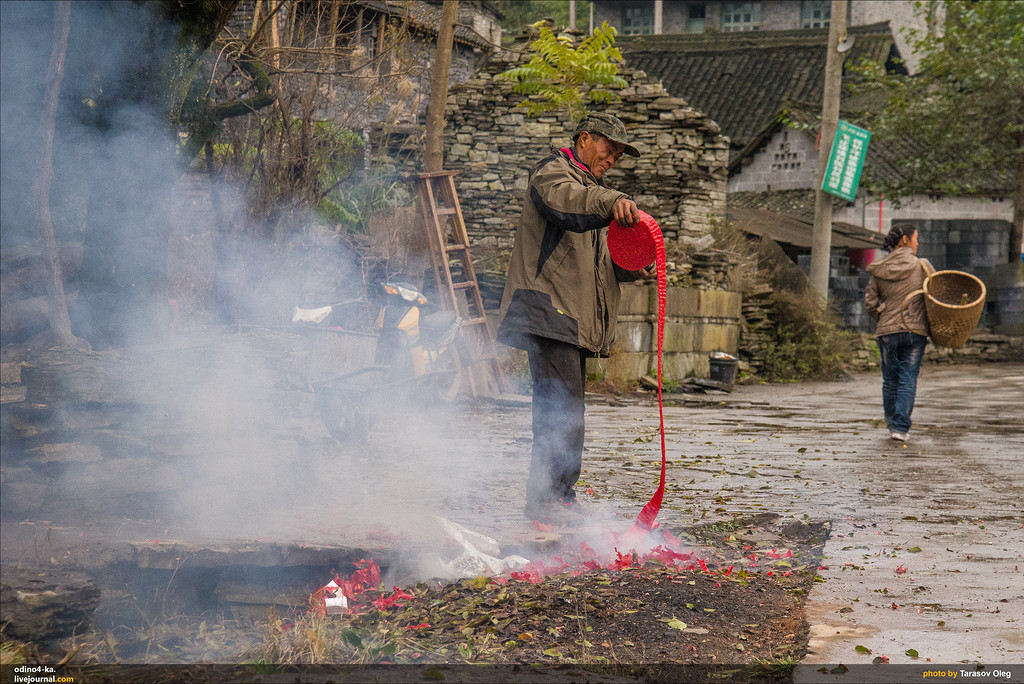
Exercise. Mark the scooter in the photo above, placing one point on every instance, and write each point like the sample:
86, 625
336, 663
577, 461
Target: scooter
357, 372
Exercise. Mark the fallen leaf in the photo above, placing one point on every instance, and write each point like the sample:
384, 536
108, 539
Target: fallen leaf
863, 649
676, 624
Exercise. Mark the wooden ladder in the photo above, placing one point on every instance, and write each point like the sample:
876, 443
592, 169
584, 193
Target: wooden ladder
455, 278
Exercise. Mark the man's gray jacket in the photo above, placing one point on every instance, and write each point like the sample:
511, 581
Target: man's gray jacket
562, 283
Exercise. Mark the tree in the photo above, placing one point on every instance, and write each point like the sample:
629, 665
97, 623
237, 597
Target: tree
57, 308
434, 145
556, 74
964, 109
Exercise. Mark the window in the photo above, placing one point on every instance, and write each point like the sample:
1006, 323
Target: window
815, 13
741, 16
637, 20
695, 17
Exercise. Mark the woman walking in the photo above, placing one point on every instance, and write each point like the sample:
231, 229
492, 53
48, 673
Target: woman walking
901, 340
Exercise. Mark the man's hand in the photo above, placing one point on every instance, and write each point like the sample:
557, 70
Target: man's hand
625, 212
650, 273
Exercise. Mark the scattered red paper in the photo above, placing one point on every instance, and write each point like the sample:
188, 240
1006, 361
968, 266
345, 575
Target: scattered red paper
422, 625
366, 576
385, 602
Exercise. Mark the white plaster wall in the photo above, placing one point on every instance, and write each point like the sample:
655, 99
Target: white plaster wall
787, 162
900, 14
864, 212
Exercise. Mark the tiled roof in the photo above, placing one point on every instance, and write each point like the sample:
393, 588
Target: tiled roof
788, 216
798, 204
881, 165
742, 80
425, 17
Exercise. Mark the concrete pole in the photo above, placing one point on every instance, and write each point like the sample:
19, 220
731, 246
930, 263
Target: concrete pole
659, 13
572, 14
821, 244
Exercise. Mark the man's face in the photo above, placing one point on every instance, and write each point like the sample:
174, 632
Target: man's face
598, 152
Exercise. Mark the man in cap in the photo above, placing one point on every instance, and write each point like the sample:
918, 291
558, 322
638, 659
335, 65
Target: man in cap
561, 299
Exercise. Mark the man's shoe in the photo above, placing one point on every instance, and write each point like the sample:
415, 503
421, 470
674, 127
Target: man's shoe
563, 511
900, 436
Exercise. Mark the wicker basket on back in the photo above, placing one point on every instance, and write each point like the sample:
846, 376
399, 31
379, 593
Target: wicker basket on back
953, 301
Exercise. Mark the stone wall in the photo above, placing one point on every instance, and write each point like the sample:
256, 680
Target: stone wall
680, 179
697, 322
983, 347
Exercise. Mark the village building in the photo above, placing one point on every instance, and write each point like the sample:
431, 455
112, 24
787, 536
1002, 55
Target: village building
656, 17
764, 88
376, 44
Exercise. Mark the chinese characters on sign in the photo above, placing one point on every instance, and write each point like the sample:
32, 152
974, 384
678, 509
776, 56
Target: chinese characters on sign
842, 175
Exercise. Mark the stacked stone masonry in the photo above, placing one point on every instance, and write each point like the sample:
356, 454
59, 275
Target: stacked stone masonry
680, 179
697, 322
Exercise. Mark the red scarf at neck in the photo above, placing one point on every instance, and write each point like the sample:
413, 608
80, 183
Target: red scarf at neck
577, 161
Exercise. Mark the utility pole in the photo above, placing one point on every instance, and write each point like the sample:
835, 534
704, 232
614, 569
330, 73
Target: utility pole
821, 243
572, 14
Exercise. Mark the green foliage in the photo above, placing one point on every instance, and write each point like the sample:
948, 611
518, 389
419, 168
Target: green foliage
313, 165
554, 78
807, 343
965, 106
352, 204
11, 654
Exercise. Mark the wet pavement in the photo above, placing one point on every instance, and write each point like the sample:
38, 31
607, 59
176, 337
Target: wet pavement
926, 539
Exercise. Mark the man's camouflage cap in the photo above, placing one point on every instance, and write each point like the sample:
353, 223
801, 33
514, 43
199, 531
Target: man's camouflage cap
608, 126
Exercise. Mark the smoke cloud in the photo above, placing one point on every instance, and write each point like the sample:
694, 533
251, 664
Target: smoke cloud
209, 424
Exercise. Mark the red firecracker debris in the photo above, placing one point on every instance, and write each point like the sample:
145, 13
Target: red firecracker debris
385, 602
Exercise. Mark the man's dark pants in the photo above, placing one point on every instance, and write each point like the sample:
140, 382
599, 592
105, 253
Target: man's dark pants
559, 377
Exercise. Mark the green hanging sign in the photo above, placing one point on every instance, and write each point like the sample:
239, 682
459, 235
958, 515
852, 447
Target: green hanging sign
849, 147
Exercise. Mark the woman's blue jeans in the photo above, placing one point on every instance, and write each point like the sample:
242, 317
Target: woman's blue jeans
901, 361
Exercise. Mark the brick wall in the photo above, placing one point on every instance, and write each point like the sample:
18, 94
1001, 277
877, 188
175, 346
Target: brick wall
787, 161
923, 208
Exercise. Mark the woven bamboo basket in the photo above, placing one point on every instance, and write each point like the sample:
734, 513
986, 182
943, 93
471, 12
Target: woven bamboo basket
953, 301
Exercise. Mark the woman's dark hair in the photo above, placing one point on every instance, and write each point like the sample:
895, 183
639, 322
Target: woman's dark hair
897, 233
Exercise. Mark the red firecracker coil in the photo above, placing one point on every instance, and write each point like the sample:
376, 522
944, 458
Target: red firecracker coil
634, 247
